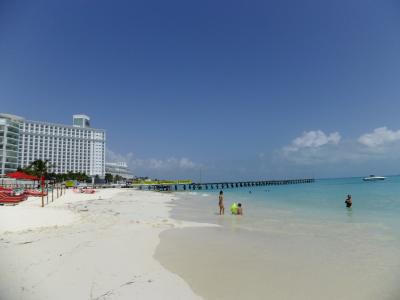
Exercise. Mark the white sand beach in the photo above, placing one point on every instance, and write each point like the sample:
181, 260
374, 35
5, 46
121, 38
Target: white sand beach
98, 246
107, 246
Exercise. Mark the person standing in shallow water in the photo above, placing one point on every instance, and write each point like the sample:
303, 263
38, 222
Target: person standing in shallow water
348, 201
221, 203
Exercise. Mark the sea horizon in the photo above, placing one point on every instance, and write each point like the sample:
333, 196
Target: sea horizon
291, 178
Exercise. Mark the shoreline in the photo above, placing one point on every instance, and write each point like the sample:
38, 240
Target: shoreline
124, 244
291, 258
105, 252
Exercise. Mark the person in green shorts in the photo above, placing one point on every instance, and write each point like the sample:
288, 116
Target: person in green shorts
234, 208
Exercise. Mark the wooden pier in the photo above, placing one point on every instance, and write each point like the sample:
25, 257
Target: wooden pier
221, 185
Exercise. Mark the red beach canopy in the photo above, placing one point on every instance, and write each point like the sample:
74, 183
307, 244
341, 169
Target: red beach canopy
22, 176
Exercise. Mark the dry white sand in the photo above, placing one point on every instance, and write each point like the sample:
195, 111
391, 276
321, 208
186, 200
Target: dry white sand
98, 246
30, 215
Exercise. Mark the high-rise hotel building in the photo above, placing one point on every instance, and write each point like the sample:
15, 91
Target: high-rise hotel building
75, 148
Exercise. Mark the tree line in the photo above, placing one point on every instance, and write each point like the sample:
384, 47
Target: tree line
41, 168
110, 178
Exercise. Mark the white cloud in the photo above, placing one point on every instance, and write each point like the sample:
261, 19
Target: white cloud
133, 162
316, 147
379, 137
170, 163
186, 163
112, 156
313, 139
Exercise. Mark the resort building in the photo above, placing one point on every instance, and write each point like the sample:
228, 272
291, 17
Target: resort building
120, 169
75, 148
9, 141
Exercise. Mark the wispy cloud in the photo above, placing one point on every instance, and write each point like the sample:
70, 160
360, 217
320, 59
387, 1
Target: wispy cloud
379, 137
112, 156
167, 164
171, 164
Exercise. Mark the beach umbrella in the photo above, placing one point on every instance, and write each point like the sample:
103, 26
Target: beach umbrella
21, 176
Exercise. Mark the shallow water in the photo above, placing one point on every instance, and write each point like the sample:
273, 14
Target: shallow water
293, 242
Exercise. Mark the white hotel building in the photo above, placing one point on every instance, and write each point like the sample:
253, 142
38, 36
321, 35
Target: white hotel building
75, 148
119, 169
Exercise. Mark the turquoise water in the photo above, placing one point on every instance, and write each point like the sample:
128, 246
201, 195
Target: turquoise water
373, 202
291, 238
376, 205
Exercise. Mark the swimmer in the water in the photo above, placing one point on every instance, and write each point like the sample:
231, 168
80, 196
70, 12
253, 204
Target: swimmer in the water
348, 201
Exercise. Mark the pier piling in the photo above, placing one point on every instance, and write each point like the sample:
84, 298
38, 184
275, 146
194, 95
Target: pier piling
221, 185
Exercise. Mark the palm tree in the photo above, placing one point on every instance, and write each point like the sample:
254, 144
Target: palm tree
38, 168
118, 178
108, 178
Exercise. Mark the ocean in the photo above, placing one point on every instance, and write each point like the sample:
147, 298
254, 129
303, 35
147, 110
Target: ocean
373, 202
293, 242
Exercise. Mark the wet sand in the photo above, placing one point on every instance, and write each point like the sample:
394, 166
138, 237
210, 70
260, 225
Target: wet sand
288, 259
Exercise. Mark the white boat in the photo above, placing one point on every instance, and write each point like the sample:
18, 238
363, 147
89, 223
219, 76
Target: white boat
374, 178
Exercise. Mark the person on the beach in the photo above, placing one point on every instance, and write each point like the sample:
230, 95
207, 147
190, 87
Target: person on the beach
234, 208
348, 201
239, 210
221, 203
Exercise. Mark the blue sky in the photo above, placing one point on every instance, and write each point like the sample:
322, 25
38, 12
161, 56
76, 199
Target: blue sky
231, 89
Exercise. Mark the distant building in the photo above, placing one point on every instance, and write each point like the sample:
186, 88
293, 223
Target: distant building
77, 148
120, 169
9, 142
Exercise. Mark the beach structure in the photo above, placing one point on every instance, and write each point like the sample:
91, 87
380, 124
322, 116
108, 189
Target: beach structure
75, 148
222, 185
119, 169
